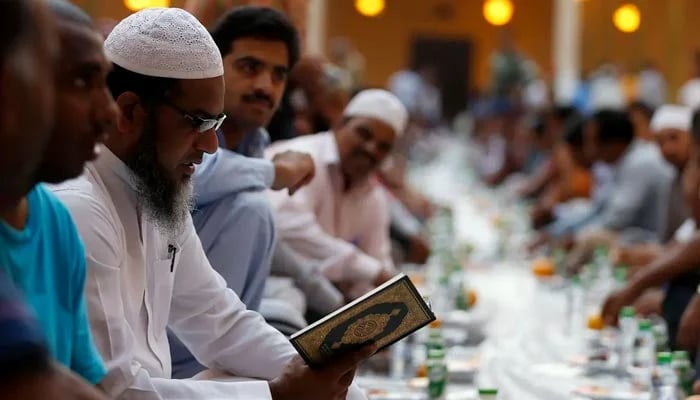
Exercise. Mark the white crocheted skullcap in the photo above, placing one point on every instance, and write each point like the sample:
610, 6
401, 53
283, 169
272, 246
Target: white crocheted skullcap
165, 43
671, 116
381, 105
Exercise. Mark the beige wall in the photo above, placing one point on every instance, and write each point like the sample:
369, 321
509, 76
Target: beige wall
668, 34
385, 40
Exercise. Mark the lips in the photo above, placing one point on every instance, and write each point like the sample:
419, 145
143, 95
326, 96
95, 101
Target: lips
189, 166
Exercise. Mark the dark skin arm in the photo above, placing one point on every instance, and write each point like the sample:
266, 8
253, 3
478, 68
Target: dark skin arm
677, 261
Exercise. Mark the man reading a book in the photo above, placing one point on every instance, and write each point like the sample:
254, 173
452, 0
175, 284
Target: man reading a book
341, 218
147, 270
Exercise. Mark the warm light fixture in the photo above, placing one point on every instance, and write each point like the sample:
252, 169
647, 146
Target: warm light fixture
498, 12
136, 5
627, 18
370, 8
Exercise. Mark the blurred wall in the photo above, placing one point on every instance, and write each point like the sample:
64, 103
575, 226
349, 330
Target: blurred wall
113, 9
667, 36
385, 41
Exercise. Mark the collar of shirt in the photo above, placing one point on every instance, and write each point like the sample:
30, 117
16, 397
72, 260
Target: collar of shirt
107, 161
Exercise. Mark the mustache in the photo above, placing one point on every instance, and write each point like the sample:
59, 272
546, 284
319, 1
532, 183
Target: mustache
364, 154
258, 96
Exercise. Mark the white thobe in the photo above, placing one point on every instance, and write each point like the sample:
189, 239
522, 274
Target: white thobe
138, 285
346, 231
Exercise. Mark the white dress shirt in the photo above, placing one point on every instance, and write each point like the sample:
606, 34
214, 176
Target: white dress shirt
138, 285
346, 231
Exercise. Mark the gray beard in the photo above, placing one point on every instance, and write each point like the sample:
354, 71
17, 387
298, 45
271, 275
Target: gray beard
166, 203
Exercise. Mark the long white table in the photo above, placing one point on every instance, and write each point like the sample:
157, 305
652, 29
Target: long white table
528, 347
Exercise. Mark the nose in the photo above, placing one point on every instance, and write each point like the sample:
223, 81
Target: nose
263, 81
106, 110
372, 149
207, 142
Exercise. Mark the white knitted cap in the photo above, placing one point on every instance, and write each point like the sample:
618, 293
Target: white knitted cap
379, 104
165, 43
671, 116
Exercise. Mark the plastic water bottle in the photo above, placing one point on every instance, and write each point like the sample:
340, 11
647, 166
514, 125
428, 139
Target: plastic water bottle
684, 372
667, 387
627, 334
488, 394
604, 281
435, 338
576, 299
437, 374
660, 334
397, 368
645, 347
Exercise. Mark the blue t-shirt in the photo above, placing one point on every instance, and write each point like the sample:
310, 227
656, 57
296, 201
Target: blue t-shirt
46, 262
20, 337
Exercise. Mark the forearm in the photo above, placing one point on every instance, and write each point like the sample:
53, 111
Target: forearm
677, 261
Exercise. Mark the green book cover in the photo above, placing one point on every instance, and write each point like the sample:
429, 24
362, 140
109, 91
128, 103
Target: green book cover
385, 315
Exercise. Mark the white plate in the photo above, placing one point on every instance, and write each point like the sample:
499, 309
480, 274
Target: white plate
601, 393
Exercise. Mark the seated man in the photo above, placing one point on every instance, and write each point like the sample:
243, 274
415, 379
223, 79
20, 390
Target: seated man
40, 249
147, 268
27, 54
233, 217
677, 267
670, 125
573, 180
341, 218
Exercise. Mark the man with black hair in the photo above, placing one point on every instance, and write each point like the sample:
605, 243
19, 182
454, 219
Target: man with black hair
631, 207
640, 114
548, 132
30, 347
233, 217
40, 248
637, 196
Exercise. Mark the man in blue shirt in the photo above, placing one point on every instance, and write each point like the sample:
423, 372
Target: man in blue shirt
40, 249
233, 217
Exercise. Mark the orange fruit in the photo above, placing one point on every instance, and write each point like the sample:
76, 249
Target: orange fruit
595, 322
543, 267
472, 297
417, 279
422, 371
436, 324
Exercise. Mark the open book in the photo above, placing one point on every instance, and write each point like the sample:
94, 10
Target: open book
385, 315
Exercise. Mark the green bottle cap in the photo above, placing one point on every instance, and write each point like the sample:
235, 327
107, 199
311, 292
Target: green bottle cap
620, 274
663, 358
488, 391
627, 312
645, 325
681, 355
601, 250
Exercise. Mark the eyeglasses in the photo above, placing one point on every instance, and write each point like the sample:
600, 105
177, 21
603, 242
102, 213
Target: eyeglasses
200, 124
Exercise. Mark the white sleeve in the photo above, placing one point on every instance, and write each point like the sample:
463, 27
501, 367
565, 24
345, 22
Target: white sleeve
340, 261
214, 324
126, 378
